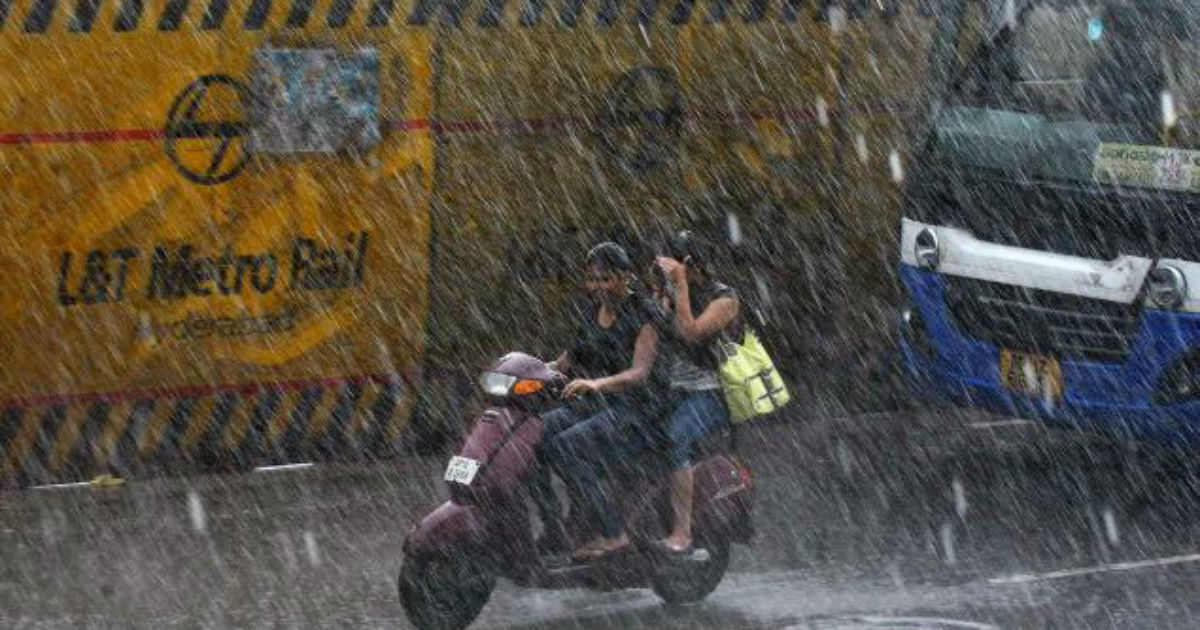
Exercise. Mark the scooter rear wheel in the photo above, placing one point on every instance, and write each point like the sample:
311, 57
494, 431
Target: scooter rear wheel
684, 581
443, 592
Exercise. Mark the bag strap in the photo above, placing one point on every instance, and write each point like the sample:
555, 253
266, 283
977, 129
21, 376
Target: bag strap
725, 339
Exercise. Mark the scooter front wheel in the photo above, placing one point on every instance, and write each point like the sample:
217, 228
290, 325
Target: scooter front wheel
444, 592
687, 580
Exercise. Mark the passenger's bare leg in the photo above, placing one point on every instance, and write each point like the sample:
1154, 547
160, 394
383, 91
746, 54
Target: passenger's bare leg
683, 488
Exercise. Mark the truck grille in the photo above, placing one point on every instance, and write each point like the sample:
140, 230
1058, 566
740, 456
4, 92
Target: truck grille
1041, 321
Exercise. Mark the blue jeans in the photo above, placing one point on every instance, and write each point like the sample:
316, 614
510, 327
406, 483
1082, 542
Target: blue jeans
540, 487
585, 449
700, 414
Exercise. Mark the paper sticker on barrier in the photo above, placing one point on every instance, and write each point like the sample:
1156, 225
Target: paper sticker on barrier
315, 100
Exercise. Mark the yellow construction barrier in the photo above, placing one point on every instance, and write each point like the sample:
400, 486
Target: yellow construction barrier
253, 230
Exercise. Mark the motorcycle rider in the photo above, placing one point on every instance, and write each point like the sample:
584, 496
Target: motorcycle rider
701, 311
608, 403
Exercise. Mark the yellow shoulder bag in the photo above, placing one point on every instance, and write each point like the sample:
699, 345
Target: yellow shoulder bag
752, 385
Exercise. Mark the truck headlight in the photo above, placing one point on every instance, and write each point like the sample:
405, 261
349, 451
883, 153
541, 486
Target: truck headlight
925, 249
1167, 286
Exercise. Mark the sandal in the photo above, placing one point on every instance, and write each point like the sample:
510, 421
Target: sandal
662, 547
597, 550
587, 550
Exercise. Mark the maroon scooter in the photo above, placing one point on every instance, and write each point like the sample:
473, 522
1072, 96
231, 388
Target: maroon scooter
453, 557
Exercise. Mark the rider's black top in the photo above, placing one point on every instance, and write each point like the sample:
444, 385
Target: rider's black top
598, 351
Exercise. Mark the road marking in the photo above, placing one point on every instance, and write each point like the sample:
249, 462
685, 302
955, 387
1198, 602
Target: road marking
1103, 568
938, 621
1000, 423
102, 481
63, 486
283, 467
889, 623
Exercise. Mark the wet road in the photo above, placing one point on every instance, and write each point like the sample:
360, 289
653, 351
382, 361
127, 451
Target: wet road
903, 520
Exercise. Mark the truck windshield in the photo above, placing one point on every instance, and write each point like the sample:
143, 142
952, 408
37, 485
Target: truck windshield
1079, 118
1097, 62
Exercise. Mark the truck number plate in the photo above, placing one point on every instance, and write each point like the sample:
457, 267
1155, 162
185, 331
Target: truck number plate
1031, 374
462, 470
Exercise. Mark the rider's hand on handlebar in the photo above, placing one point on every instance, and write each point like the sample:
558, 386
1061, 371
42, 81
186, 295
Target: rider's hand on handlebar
581, 386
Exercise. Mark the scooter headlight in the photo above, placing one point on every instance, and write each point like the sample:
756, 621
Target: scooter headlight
496, 384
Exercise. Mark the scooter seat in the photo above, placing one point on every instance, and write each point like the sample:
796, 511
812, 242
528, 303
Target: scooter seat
719, 443
655, 463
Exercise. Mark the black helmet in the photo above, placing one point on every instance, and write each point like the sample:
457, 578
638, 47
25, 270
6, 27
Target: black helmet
610, 257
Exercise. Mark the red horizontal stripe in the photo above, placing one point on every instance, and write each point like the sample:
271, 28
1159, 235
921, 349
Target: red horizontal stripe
81, 137
483, 126
186, 391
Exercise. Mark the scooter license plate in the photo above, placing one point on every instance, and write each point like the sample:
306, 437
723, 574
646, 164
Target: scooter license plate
462, 470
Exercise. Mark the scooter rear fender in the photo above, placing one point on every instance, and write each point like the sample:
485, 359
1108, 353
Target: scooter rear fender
725, 499
451, 527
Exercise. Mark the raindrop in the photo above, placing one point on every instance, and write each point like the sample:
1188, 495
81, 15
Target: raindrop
960, 497
897, 577
1169, 115
1110, 527
735, 229
947, 535
51, 527
822, 112
896, 167
837, 20
1048, 393
860, 146
289, 554
844, 458
145, 331
311, 550
764, 291
1030, 376
196, 512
